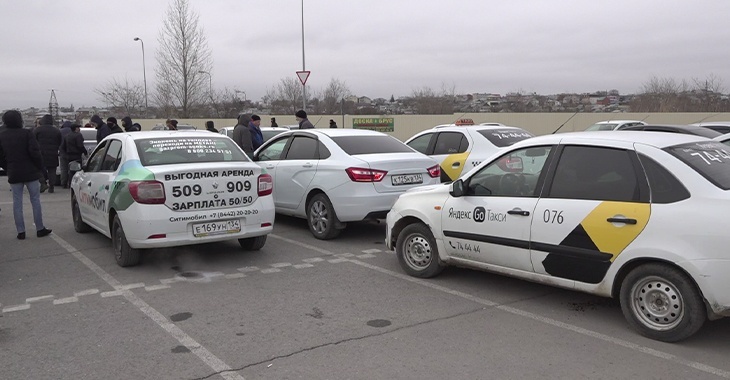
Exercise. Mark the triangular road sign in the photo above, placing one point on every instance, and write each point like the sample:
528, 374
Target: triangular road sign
303, 75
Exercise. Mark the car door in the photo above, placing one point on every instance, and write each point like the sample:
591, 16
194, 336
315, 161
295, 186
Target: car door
88, 198
269, 158
595, 204
490, 224
450, 150
296, 171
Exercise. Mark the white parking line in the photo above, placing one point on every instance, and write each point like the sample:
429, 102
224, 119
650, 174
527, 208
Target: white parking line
609, 339
216, 364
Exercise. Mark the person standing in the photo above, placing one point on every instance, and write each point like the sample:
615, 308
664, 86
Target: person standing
73, 147
257, 138
49, 140
273, 123
209, 126
102, 129
20, 156
128, 125
304, 123
62, 159
242, 135
333, 124
113, 126
171, 124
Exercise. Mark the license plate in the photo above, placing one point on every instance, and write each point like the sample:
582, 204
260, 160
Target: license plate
217, 228
406, 179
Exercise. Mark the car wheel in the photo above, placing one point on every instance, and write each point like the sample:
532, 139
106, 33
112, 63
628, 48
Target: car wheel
125, 255
417, 252
79, 225
321, 218
662, 303
253, 244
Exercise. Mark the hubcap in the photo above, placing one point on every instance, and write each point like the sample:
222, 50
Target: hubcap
417, 252
657, 303
319, 217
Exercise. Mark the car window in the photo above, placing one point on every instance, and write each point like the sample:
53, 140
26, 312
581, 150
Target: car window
268, 134
113, 156
505, 137
588, 172
421, 143
273, 151
709, 158
664, 187
302, 148
96, 158
179, 150
450, 143
88, 133
354, 145
515, 174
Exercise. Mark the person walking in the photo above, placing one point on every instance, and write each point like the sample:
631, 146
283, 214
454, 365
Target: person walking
62, 159
304, 123
73, 147
128, 125
333, 124
20, 156
102, 129
49, 141
209, 126
242, 135
257, 138
113, 126
273, 123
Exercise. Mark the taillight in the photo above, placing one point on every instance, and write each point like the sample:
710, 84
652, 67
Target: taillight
434, 171
366, 175
147, 192
266, 185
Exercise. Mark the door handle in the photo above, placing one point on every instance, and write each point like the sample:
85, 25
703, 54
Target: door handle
456, 164
269, 166
307, 165
518, 212
621, 220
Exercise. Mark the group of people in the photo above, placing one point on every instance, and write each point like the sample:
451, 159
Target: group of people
247, 133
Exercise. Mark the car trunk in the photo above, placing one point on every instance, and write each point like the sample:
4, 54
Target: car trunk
405, 170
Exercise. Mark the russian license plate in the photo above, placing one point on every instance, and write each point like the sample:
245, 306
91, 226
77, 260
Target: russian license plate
217, 228
406, 179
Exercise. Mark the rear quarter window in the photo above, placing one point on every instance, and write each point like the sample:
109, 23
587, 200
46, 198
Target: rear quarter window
709, 158
505, 137
354, 145
181, 150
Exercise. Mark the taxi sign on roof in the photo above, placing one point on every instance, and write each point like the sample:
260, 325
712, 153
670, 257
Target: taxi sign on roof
464, 122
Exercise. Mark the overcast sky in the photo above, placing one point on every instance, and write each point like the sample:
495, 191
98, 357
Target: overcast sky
378, 48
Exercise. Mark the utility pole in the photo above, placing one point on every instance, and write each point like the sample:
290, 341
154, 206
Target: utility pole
53, 108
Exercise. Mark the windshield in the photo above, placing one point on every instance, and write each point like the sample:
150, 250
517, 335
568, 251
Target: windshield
181, 150
711, 159
505, 137
354, 145
602, 127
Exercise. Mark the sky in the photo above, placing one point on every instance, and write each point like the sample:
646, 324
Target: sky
378, 48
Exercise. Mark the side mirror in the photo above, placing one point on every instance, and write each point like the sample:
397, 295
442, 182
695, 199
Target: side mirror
457, 188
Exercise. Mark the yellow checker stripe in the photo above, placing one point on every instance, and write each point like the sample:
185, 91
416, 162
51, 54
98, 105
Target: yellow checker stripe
610, 238
450, 160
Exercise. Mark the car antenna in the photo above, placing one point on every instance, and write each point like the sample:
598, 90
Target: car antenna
459, 118
645, 117
320, 118
561, 125
707, 117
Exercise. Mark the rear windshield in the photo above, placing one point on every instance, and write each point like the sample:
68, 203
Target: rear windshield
354, 145
709, 158
88, 134
505, 137
181, 150
602, 127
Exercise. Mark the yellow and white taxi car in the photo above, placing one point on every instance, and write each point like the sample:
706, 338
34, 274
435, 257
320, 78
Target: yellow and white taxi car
633, 215
461, 146
171, 188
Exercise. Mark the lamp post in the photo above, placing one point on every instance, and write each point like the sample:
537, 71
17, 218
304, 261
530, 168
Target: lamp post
210, 82
304, 68
144, 75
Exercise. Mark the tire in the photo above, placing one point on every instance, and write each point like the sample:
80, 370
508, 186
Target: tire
417, 252
662, 303
321, 218
79, 225
254, 243
125, 255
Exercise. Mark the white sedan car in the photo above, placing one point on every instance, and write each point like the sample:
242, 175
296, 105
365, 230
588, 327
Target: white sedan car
335, 176
462, 146
632, 215
171, 188
613, 125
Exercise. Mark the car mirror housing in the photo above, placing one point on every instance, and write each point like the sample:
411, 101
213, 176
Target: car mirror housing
457, 188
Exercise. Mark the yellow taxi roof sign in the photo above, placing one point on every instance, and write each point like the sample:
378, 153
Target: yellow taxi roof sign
464, 122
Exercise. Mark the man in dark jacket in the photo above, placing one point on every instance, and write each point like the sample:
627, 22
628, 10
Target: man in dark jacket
49, 140
257, 138
242, 135
111, 122
128, 125
209, 126
20, 156
63, 160
304, 123
73, 147
102, 130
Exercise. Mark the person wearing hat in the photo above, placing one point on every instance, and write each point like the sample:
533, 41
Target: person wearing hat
257, 138
209, 126
102, 129
273, 123
20, 156
333, 124
304, 123
111, 122
128, 125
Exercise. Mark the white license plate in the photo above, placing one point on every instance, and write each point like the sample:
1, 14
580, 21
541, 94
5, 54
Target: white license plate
217, 228
406, 179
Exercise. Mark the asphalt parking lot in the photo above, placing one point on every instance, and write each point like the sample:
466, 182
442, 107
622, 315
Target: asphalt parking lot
302, 308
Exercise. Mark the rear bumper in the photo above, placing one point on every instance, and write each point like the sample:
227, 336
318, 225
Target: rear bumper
712, 278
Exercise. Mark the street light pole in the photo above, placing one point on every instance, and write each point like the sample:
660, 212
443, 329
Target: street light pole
144, 75
304, 67
210, 82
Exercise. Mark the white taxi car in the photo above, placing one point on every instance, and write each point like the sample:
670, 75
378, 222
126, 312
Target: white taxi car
461, 146
171, 188
632, 215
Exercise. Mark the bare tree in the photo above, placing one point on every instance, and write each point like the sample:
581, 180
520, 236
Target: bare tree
332, 95
123, 96
427, 101
182, 55
285, 97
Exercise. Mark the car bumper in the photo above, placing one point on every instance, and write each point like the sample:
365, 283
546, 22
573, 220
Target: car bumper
156, 226
355, 205
390, 220
712, 278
